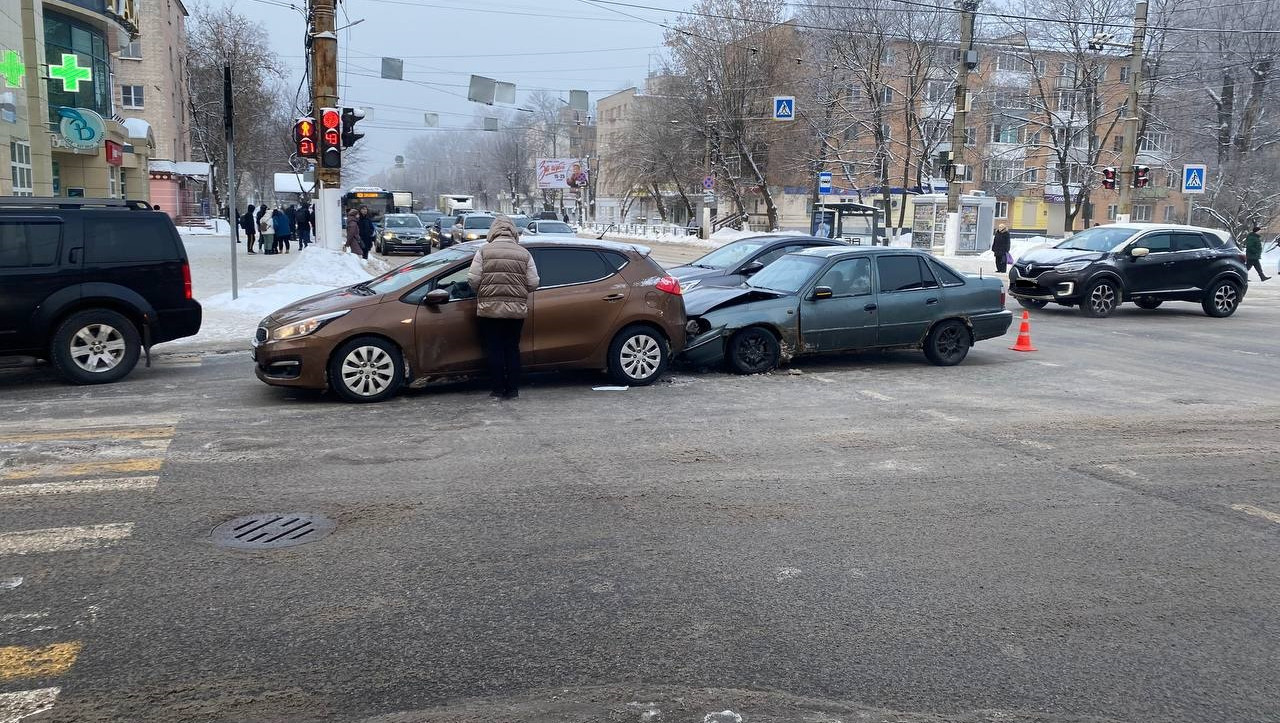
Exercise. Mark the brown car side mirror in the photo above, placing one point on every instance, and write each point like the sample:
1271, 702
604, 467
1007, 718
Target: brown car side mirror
435, 297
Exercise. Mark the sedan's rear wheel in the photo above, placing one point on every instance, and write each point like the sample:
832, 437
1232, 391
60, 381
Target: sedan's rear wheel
947, 344
753, 351
1100, 299
1221, 299
366, 369
638, 356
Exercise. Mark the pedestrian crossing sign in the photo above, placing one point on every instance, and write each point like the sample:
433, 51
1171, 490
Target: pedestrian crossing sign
1194, 178
784, 107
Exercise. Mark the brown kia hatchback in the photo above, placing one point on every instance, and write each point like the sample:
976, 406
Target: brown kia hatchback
601, 305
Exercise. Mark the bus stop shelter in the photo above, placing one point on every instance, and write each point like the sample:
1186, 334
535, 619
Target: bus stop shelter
854, 222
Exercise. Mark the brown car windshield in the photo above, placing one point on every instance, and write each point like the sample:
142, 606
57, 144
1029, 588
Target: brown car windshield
415, 271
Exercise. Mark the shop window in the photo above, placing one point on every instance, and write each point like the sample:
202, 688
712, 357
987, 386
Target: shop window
20, 168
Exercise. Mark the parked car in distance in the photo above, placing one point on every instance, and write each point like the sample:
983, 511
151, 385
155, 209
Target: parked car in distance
1100, 268
601, 305
547, 216
401, 232
837, 299
91, 284
736, 261
440, 232
428, 218
471, 227
554, 228
519, 220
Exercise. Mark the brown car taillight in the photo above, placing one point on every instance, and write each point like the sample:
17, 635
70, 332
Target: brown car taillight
186, 280
670, 284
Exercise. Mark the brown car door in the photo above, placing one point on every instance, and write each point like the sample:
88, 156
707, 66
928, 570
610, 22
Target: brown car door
447, 335
577, 303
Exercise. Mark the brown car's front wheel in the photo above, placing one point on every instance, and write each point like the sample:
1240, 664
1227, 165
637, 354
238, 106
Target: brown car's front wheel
366, 369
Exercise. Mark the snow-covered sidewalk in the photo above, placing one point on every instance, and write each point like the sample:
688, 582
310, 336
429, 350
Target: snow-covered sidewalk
267, 283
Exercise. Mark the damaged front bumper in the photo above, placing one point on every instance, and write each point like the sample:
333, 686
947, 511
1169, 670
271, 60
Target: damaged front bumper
704, 348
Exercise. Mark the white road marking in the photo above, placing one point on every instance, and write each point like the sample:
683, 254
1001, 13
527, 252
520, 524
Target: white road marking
63, 539
1258, 512
1035, 444
893, 465
1047, 364
875, 395
787, 573
118, 484
941, 415
9, 583
1250, 353
16, 706
822, 379
104, 424
1122, 471
23, 623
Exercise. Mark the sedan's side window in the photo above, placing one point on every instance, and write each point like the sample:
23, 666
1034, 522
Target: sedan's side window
1157, 243
903, 273
850, 277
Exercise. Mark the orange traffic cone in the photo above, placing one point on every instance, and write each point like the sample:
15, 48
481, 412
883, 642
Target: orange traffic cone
1024, 335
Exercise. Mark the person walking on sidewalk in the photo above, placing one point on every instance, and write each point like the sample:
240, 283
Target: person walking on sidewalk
250, 227
353, 235
280, 220
367, 230
1253, 253
262, 240
1000, 248
503, 275
303, 223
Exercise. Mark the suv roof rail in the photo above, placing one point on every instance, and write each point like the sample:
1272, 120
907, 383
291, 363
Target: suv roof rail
60, 202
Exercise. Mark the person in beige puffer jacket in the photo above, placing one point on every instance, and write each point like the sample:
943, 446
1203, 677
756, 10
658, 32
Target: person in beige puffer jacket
503, 274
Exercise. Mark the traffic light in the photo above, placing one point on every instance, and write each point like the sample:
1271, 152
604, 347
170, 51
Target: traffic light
1109, 178
1141, 176
304, 137
350, 116
330, 138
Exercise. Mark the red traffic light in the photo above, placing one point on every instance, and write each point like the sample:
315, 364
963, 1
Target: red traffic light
330, 138
1109, 178
330, 118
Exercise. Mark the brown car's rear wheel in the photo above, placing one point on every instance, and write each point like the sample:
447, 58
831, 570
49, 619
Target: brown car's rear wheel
638, 356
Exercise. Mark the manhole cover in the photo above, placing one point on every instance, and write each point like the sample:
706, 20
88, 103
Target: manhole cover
271, 530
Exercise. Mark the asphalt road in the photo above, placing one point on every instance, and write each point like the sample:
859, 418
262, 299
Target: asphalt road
1086, 533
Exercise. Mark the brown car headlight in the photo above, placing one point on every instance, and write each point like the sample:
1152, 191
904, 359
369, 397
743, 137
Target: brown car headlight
305, 327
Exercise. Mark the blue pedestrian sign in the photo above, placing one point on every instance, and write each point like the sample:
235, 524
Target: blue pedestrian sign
784, 107
824, 183
1194, 178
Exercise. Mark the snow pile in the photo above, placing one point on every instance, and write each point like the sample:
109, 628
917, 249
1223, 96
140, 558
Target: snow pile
314, 271
214, 227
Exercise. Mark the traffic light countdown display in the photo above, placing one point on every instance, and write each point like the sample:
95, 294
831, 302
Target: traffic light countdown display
304, 137
330, 138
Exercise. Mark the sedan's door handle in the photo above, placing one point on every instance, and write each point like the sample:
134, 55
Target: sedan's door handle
615, 297
73, 257
930, 302
870, 307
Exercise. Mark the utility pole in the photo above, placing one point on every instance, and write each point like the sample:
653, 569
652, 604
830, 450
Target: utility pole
704, 211
324, 94
958, 131
228, 120
1129, 154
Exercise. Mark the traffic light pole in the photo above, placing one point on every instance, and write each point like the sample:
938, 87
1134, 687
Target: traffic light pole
959, 133
1129, 154
324, 94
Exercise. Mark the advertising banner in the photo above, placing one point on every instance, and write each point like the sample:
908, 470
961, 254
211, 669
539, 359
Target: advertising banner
562, 172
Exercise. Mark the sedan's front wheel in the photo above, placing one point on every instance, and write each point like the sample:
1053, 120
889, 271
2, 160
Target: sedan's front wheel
753, 351
1100, 299
366, 369
947, 344
638, 356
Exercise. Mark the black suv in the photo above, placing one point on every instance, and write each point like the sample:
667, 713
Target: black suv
91, 284
1147, 264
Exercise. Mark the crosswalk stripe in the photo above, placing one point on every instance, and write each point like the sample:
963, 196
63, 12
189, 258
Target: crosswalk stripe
81, 434
63, 539
91, 424
23, 703
20, 661
117, 484
84, 469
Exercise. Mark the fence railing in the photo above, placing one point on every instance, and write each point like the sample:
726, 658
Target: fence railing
642, 230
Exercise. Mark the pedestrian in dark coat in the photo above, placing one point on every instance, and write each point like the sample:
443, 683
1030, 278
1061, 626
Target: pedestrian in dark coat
367, 230
280, 222
353, 235
303, 222
250, 227
1000, 248
1253, 253
503, 275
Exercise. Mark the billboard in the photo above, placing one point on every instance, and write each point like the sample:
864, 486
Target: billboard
562, 172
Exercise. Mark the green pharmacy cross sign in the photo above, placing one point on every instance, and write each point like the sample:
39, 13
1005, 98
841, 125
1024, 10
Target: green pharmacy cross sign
70, 73
12, 69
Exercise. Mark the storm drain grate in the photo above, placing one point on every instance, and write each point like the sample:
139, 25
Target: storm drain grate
272, 530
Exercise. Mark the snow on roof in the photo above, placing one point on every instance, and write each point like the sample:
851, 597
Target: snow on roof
293, 183
197, 169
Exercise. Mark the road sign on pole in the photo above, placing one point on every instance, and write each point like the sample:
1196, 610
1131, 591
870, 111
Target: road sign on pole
1194, 178
784, 107
824, 183
709, 182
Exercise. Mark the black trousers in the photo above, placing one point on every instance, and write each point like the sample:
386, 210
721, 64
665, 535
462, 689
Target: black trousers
1256, 265
502, 344
1001, 261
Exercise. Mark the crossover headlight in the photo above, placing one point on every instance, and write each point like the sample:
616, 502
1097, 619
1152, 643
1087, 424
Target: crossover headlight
305, 327
1071, 266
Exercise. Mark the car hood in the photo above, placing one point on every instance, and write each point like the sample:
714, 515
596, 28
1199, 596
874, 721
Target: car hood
323, 303
703, 299
406, 231
691, 273
1053, 256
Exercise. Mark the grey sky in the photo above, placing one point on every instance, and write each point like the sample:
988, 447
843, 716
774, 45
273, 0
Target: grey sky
442, 43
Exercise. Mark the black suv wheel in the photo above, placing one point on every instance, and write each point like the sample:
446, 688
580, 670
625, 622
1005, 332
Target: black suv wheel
97, 346
1100, 299
1221, 299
